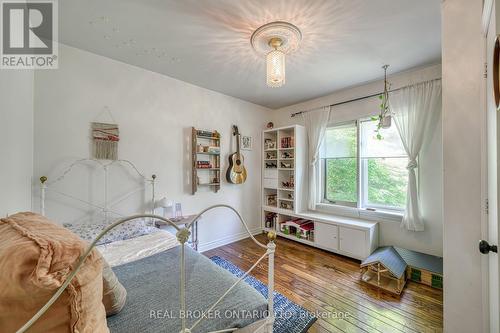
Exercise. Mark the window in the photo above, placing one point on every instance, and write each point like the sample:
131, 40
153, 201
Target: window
340, 165
359, 170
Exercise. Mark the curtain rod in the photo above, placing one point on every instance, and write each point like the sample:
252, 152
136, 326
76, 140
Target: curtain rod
356, 99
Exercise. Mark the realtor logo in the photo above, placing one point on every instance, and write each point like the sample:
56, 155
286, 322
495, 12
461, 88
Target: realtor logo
29, 34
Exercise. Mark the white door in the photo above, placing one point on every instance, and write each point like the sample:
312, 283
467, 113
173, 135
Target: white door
493, 146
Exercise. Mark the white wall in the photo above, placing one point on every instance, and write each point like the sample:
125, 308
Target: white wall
155, 114
430, 171
462, 158
16, 140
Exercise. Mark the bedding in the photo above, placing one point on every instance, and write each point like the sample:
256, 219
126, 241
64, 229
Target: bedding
153, 301
35, 259
127, 230
125, 251
114, 294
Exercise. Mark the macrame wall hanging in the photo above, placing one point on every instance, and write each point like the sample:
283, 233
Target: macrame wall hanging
105, 138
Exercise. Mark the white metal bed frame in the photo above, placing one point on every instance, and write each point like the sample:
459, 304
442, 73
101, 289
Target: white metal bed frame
182, 235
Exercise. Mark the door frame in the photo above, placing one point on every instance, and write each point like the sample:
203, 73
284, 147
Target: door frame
488, 7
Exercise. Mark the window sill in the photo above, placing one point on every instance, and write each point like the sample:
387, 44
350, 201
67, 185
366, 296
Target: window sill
378, 215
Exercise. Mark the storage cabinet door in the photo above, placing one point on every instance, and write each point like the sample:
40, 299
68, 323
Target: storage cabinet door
326, 235
353, 242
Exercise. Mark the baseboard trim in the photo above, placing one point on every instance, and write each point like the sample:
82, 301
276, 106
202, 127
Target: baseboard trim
227, 240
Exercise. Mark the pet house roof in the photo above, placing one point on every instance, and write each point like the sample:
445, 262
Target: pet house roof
421, 260
389, 258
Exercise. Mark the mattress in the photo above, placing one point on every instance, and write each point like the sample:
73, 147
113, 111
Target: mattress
153, 295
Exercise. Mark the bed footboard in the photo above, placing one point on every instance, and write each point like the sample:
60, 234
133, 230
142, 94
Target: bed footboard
183, 234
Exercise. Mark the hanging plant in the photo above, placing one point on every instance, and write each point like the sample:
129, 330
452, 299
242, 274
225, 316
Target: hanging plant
384, 117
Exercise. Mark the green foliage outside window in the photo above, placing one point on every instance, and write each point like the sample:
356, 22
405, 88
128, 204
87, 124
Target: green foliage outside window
387, 177
341, 180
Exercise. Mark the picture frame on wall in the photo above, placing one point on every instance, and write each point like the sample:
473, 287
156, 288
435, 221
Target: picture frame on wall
246, 142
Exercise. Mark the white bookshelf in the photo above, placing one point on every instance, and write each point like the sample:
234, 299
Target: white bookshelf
281, 164
284, 168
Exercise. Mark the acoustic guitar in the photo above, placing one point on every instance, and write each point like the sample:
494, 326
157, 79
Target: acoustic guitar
236, 173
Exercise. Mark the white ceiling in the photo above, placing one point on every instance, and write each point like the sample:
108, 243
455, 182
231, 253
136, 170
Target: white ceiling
206, 42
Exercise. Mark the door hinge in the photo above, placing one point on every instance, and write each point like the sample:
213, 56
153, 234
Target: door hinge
487, 206
485, 70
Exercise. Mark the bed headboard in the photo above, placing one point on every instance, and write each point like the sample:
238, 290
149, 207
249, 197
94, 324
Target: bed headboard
90, 189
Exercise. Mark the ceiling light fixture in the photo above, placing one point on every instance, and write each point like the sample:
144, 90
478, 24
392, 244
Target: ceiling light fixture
276, 40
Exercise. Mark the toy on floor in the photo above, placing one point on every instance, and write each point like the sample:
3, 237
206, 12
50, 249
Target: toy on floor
389, 267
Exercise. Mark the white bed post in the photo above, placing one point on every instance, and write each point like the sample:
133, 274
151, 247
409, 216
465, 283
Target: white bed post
183, 236
43, 188
153, 203
271, 248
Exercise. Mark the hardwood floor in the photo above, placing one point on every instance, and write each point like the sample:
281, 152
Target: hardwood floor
328, 284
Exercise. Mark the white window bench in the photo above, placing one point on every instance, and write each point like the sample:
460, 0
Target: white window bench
352, 237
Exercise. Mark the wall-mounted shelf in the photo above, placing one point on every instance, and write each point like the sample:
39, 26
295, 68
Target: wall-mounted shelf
206, 159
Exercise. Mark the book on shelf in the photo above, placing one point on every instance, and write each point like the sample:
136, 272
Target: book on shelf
207, 134
287, 142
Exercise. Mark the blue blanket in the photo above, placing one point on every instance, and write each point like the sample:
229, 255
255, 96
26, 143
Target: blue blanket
153, 299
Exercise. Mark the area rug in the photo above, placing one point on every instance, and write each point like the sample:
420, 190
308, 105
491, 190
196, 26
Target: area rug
290, 317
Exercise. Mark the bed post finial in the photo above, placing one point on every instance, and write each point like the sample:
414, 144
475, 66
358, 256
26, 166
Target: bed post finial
43, 188
271, 236
183, 235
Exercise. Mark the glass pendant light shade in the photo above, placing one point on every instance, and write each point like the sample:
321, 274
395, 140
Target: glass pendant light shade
276, 40
275, 68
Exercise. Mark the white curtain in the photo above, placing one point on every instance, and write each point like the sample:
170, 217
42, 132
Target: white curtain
315, 122
412, 108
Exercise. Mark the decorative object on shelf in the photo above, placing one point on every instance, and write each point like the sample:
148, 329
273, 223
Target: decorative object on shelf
205, 159
271, 165
290, 184
236, 172
269, 144
384, 118
271, 220
270, 125
286, 205
286, 165
246, 142
105, 138
275, 40
271, 155
271, 200
301, 228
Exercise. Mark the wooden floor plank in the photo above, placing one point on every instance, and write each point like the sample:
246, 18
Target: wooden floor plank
326, 283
